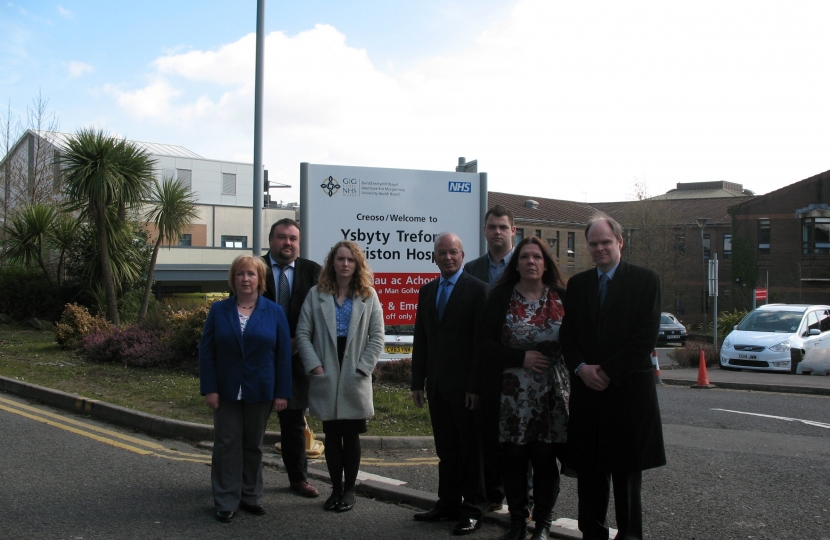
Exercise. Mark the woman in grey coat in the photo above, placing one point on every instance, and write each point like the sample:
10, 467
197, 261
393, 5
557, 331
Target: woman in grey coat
340, 336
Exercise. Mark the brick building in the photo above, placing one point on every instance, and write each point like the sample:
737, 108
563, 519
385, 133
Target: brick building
784, 236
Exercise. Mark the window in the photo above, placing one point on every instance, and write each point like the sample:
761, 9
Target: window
228, 184
538, 233
234, 241
185, 240
815, 235
520, 235
553, 244
763, 236
571, 246
707, 242
185, 176
727, 246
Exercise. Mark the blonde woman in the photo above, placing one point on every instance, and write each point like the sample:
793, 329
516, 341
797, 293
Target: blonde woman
340, 337
244, 373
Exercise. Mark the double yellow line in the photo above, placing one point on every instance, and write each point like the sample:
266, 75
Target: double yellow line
112, 438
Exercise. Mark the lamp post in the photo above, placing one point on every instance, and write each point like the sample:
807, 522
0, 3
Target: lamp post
701, 222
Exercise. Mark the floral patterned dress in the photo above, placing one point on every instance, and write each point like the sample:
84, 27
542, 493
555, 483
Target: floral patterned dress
534, 406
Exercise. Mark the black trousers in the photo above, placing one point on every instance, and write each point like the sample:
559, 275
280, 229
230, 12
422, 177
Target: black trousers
542, 456
491, 449
594, 492
292, 442
460, 475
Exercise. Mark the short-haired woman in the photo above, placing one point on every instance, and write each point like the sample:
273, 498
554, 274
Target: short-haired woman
519, 330
340, 337
244, 373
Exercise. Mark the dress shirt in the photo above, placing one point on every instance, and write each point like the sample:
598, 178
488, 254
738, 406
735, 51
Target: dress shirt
289, 274
497, 268
452, 280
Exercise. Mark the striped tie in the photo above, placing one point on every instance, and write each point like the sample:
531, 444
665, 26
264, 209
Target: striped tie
284, 293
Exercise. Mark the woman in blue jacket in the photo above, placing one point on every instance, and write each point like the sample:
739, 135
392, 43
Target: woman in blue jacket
245, 373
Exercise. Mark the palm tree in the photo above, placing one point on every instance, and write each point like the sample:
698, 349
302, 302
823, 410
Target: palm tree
105, 173
27, 235
173, 209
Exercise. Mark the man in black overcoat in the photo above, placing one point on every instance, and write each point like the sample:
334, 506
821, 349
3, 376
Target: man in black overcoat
445, 361
300, 275
612, 317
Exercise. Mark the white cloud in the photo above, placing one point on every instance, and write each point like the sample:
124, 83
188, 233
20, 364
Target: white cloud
560, 100
77, 69
65, 13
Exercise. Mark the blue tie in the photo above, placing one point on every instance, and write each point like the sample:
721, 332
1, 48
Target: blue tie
284, 293
603, 287
443, 296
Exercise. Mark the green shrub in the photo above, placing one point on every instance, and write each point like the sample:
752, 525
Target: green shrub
24, 294
727, 320
394, 372
75, 323
185, 330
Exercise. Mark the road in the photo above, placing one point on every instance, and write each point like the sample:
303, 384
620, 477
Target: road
730, 475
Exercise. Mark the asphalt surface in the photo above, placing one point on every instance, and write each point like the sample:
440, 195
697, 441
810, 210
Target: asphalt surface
715, 453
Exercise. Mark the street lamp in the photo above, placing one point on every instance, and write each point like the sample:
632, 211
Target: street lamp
701, 222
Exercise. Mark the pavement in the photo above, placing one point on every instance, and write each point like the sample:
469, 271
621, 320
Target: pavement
375, 486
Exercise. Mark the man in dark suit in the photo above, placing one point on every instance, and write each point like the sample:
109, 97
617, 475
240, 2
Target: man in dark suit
445, 357
612, 317
499, 231
287, 283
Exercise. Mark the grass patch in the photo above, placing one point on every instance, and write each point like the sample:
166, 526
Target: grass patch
33, 356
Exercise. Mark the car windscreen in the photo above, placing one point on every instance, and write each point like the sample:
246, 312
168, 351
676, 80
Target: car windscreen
771, 321
665, 319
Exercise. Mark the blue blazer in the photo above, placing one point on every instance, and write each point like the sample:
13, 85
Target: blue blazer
259, 360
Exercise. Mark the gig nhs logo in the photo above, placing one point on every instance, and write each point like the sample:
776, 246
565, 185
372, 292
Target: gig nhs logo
461, 187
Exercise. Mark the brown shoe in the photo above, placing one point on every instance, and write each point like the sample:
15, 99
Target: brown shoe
305, 489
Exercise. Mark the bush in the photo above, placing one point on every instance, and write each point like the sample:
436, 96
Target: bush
75, 323
394, 372
727, 320
132, 347
689, 356
130, 304
186, 329
24, 294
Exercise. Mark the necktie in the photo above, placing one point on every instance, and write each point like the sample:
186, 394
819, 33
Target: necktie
284, 293
443, 296
603, 288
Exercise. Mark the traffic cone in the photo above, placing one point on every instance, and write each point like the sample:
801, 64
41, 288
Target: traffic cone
656, 363
702, 375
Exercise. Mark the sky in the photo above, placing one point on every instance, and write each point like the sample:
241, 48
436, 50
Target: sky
564, 100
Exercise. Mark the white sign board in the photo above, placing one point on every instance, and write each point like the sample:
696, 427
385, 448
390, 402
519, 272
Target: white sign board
394, 215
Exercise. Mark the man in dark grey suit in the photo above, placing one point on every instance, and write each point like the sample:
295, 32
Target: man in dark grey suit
499, 231
287, 283
445, 357
612, 316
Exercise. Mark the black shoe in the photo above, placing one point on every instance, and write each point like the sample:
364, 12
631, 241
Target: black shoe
466, 526
346, 502
331, 502
517, 531
436, 514
225, 516
254, 509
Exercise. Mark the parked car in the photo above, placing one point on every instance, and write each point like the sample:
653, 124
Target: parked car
776, 337
672, 331
397, 344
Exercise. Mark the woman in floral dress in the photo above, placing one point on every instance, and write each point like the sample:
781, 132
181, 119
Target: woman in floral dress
519, 331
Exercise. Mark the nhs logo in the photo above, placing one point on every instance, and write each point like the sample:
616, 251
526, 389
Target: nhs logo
461, 187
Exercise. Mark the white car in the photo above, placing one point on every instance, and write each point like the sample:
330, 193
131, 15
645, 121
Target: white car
776, 336
396, 346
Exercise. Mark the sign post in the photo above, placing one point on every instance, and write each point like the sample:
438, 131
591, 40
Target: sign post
394, 215
713, 292
760, 294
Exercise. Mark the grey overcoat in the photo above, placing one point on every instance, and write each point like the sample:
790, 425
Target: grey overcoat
340, 393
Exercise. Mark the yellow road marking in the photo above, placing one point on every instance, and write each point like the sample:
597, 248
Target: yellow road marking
195, 458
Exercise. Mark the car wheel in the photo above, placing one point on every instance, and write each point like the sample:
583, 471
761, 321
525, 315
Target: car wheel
796, 356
